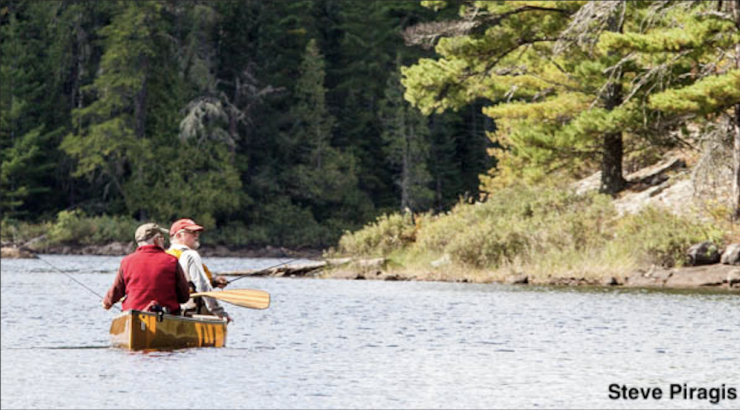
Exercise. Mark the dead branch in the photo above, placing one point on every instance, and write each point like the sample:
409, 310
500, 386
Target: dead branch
427, 34
587, 24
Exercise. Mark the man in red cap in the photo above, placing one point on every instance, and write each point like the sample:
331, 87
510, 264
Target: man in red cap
149, 277
184, 240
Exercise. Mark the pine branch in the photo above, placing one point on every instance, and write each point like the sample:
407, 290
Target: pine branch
660, 71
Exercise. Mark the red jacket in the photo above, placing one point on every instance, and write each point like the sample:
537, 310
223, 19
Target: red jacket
149, 274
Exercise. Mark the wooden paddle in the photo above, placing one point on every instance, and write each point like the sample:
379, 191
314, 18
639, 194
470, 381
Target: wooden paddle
249, 298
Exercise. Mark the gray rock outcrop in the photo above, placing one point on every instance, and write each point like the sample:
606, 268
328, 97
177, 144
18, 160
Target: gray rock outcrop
731, 255
705, 253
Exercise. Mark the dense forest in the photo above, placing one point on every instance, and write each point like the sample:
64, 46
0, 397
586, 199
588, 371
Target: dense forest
282, 121
291, 122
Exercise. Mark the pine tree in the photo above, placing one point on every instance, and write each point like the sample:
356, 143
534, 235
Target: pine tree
370, 40
314, 124
405, 133
554, 103
24, 137
73, 53
458, 154
323, 177
125, 140
109, 135
683, 53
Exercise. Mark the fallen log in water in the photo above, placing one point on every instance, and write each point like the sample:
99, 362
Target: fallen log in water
12, 252
312, 268
301, 269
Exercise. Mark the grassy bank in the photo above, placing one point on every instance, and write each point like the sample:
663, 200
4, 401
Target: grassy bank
545, 232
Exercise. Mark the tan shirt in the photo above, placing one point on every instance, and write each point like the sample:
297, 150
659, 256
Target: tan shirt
192, 266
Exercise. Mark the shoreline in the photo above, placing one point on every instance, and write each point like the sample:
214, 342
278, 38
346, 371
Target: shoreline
712, 277
705, 277
13, 251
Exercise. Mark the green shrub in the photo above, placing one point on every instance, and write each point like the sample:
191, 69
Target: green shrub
76, 228
657, 236
106, 229
438, 231
488, 244
387, 234
20, 232
68, 228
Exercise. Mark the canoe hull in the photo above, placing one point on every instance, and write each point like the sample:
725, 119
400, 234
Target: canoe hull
137, 330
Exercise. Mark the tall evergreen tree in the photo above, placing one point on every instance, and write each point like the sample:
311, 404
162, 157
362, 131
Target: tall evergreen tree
24, 137
405, 133
108, 140
458, 154
123, 139
324, 177
370, 40
74, 51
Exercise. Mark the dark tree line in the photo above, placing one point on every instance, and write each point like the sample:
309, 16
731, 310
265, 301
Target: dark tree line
282, 120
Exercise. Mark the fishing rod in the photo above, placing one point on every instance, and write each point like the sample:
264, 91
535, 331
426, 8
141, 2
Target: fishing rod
263, 270
75, 280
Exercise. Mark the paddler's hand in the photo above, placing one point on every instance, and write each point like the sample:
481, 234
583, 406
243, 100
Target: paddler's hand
105, 305
220, 281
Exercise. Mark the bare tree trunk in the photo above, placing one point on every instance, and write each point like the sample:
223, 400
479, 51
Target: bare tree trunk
612, 180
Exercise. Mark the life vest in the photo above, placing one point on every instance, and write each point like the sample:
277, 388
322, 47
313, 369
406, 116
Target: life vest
178, 252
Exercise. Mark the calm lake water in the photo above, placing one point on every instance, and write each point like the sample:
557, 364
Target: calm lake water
368, 344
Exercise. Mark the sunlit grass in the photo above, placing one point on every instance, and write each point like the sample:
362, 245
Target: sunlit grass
545, 233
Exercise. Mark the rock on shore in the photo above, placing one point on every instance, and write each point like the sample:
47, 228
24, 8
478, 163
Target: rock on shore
705, 276
716, 276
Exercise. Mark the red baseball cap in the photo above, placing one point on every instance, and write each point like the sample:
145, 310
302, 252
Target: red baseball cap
181, 224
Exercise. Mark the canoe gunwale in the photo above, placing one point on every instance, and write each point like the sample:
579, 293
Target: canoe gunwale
167, 316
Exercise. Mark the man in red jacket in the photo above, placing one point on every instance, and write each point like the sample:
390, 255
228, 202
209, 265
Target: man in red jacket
149, 277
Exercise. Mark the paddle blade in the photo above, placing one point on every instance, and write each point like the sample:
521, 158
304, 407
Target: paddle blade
249, 298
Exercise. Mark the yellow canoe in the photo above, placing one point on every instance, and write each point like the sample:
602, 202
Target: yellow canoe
138, 330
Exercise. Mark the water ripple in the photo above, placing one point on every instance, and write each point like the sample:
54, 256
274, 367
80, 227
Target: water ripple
362, 344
